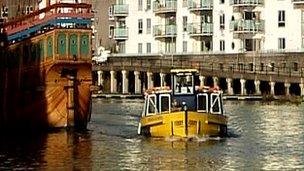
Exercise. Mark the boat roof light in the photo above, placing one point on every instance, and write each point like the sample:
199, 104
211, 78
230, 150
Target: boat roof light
184, 71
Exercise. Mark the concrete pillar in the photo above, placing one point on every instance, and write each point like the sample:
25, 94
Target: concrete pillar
162, 79
302, 88
100, 78
137, 82
215, 81
202, 81
229, 86
243, 89
287, 86
272, 88
257, 87
125, 82
150, 79
113, 82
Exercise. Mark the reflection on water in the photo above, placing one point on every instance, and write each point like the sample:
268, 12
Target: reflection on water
261, 136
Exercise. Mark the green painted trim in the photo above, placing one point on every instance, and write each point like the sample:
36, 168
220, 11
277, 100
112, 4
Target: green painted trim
84, 48
50, 47
73, 44
61, 44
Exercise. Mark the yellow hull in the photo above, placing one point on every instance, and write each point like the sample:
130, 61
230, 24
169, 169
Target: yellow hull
184, 124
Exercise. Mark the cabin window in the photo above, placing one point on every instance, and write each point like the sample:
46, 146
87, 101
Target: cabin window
151, 105
164, 103
202, 102
215, 107
183, 84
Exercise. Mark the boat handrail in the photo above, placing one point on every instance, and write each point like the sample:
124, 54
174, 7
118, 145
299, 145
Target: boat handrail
158, 90
214, 89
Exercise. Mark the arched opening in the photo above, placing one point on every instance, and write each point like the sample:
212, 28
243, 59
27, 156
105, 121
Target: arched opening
295, 89
279, 89
209, 81
223, 84
156, 79
143, 80
131, 86
119, 81
250, 87
236, 85
265, 87
107, 81
168, 80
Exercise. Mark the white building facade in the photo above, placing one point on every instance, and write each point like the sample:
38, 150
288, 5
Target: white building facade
207, 26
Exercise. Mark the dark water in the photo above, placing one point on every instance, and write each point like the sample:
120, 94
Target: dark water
261, 136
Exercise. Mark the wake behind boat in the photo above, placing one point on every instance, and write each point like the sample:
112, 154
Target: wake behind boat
183, 111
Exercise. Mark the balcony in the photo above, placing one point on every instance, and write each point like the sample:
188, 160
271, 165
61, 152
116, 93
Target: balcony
243, 3
203, 29
247, 26
120, 33
298, 3
163, 31
163, 7
120, 10
199, 5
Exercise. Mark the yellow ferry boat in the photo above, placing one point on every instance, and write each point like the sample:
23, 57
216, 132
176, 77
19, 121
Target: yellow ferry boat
184, 110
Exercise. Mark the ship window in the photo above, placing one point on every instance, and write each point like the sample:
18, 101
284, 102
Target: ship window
183, 84
151, 107
202, 102
216, 102
164, 103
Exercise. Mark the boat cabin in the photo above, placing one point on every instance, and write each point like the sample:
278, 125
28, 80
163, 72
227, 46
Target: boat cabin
183, 95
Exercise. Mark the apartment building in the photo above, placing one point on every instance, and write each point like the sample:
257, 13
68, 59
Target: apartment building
103, 25
207, 26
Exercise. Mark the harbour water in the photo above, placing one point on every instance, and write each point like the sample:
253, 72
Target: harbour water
267, 136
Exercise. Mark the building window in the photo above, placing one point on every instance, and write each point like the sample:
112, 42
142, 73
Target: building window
140, 5
295, 66
110, 12
222, 1
111, 31
140, 26
140, 48
262, 67
184, 46
148, 47
184, 23
282, 44
281, 18
222, 45
222, 21
148, 4
185, 3
122, 47
148, 25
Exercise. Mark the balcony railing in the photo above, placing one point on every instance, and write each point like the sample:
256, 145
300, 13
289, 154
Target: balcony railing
298, 1
246, 2
120, 10
197, 5
203, 29
164, 30
120, 33
164, 6
247, 26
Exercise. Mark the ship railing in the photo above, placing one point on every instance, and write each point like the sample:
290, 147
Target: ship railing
28, 24
56, 10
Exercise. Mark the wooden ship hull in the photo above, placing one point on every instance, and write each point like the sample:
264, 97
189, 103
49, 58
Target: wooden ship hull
46, 76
